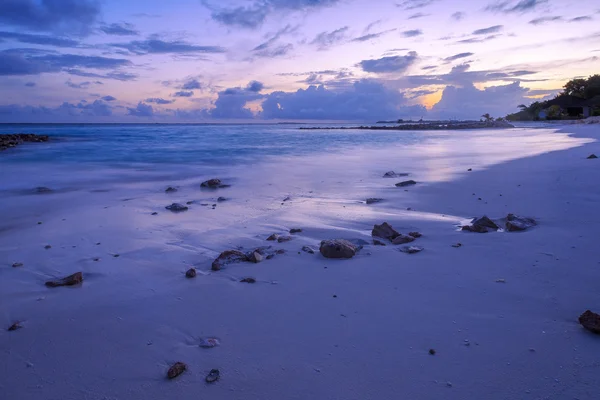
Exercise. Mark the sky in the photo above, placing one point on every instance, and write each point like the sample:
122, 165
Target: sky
112, 61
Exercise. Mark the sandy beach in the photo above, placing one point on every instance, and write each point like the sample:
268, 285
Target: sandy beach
499, 312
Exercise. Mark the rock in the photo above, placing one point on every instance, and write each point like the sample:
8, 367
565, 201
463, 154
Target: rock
190, 273
283, 239
295, 230
481, 225
170, 189
338, 248
176, 207
432, 352
406, 183
11, 140
287, 198
255, 257
385, 231
592, 157
221, 199
412, 249
392, 174
176, 369
43, 190
373, 200
378, 242
228, 257
500, 280
17, 264
470, 169
309, 249
70, 280
515, 223
403, 239
192, 202
154, 213
280, 251
212, 183
273, 237
15, 326
47, 247
590, 321
209, 342
416, 235
248, 280
457, 245
213, 376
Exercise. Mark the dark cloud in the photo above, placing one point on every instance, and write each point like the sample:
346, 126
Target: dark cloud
389, 64
487, 31
324, 40
183, 93
418, 15
458, 15
75, 16
255, 86
418, 93
583, 18
141, 110
120, 29
412, 33
371, 36
117, 75
154, 45
191, 84
159, 100
371, 26
231, 102
458, 56
414, 4
479, 39
428, 67
271, 39
81, 85
39, 39
277, 51
543, 20
30, 84
108, 98
521, 6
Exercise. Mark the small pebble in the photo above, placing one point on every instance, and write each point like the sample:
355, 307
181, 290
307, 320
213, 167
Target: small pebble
47, 247
213, 376
177, 369
432, 352
116, 255
457, 245
190, 273
15, 326
500, 280
248, 280
449, 384
39, 223
155, 213
17, 264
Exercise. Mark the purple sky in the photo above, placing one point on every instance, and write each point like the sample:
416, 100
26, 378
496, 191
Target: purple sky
242, 60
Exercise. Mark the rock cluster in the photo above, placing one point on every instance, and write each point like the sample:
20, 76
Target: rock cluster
236, 256
70, 280
512, 223
386, 231
11, 140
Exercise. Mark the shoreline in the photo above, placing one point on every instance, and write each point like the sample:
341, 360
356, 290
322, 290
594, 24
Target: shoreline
426, 126
286, 334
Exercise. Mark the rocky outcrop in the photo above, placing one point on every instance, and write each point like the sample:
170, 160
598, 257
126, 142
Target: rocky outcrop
590, 321
481, 225
385, 231
416, 235
337, 248
273, 237
515, 223
295, 230
403, 239
592, 157
176, 207
176, 369
214, 184
228, 257
406, 183
11, 140
70, 280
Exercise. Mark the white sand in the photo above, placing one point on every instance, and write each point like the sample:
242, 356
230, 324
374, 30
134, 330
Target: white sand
287, 337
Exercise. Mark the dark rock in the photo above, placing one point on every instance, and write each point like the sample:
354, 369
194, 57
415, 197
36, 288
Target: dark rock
213, 376
270, 256
280, 251
287, 198
515, 223
392, 174
228, 257
192, 202
116, 255
412, 249
43, 190
211, 183
470, 169
176, 207
273, 237
481, 225
309, 249
15, 326
592, 157
338, 248
221, 199
378, 242
170, 189
590, 321
17, 264
457, 245
295, 230
282, 239
406, 183
403, 239
374, 200
70, 280
47, 247
255, 257
248, 280
154, 213
190, 273
11, 140
416, 235
385, 231
176, 369
432, 352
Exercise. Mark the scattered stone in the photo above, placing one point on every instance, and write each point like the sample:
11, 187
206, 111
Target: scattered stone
432, 352
373, 200
335, 296
154, 213
190, 273
457, 245
385, 231
213, 376
287, 198
228, 257
309, 249
15, 326
515, 223
412, 249
70, 280
590, 321
592, 157
392, 174
449, 384
416, 235
176, 369
248, 280
403, 239
406, 183
43, 190
295, 230
221, 199
170, 189
209, 342
176, 207
96, 259
273, 237
481, 225
500, 280
378, 242
47, 247
17, 264
337, 248
214, 184
39, 223
470, 169
255, 257
116, 255
283, 239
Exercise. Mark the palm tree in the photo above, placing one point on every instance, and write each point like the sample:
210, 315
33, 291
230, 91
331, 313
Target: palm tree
487, 117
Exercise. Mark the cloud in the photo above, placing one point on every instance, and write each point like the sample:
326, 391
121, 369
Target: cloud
414, 4
543, 20
159, 100
141, 110
365, 100
183, 93
371, 36
458, 15
191, 84
39, 39
487, 31
458, 56
108, 98
324, 40
521, 6
418, 15
30, 84
389, 64
74, 16
271, 39
81, 85
231, 102
255, 86
153, 45
583, 18
120, 29
116, 75
371, 26
277, 51
479, 39
412, 33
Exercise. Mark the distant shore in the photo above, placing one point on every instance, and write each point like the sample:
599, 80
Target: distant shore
427, 126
